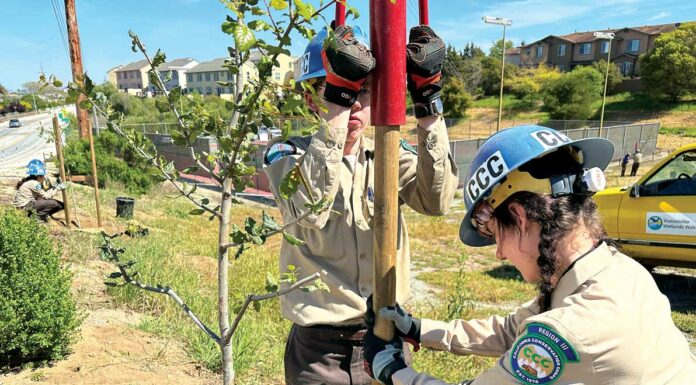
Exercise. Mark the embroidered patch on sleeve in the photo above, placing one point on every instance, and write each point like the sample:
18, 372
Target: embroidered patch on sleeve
540, 355
279, 151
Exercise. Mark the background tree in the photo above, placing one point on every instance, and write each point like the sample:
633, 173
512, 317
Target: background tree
529, 83
571, 95
669, 68
496, 50
229, 165
3, 90
490, 75
615, 76
466, 66
455, 98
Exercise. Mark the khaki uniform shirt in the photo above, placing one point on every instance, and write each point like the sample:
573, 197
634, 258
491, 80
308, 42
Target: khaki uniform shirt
339, 243
637, 157
608, 324
30, 191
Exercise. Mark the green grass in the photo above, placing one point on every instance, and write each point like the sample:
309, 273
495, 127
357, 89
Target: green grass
510, 102
681, 131
180, 252
642, 101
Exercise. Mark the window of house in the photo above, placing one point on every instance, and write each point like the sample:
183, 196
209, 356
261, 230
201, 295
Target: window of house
207, 76
539, 51
189, 77
561, 67
627, 68
208, 91
604, 47
633, 45
529, 51
219, 91
229, 76
248, 76
277, 76
137, 74
585, 48
215, 76
138, 86
561, 50
199, 77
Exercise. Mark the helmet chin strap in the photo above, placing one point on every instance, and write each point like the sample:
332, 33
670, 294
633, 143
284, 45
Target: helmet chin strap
585, 183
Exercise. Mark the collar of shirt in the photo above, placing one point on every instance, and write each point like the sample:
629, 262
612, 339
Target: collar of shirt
581, 271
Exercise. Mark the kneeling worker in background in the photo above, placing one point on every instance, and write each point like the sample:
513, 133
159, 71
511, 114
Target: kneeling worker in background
32, 197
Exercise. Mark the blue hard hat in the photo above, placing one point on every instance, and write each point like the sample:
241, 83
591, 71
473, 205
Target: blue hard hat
310, 63
36, 167
34, 161
508, 150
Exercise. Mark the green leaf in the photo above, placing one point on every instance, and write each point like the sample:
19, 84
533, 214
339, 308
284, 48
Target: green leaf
292, 240
259, 25
89, 84
162, 105
205, 201
115, 275
86, 104
257, 306
287, 127
57, 83
158, 59
271, 283
228, 27
269, 223
290, 183
190, 170
279, 4
196, 212
303, 9
244, 37
352, 11
175, 94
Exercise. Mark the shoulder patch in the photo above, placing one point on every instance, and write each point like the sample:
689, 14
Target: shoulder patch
38, 186
540, 355
278, 151
406, 146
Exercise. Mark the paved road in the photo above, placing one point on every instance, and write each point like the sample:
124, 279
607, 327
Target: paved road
20, 145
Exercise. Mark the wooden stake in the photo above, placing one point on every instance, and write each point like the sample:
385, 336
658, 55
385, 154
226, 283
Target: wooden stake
95, 179
57, 132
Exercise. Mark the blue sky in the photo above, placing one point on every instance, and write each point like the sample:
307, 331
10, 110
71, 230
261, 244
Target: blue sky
30, 39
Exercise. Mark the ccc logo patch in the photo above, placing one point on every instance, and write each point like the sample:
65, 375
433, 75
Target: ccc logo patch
488, 174
549, 139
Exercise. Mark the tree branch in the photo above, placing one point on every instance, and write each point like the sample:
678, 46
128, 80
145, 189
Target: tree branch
270, 233
153, 161
158, 289
254, 298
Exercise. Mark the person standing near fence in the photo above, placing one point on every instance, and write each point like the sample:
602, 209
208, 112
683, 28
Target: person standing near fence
624, 163
324, 345
637, 158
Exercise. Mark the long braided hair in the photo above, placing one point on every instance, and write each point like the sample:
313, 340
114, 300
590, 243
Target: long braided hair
558, 217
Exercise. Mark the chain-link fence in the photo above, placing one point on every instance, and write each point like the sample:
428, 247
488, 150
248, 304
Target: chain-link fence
626, 139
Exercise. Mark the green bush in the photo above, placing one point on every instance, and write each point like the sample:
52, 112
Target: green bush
455, 99
116, 162
38, 319
572, 95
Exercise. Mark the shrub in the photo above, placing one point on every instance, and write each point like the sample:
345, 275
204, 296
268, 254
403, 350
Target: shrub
669, 68
116, 162
38, 319
571, 95
455, 99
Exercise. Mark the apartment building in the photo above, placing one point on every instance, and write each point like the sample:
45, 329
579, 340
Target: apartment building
283, 73
582, 48
132, 78
111, 75
174, 72
204, 78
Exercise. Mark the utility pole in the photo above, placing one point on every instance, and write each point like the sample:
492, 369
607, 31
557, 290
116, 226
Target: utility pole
76, 62
58, 133
505, 23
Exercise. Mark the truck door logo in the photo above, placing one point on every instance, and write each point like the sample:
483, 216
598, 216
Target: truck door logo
655, 222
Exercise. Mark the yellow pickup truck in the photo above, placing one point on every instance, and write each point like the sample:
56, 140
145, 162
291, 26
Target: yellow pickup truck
654, 220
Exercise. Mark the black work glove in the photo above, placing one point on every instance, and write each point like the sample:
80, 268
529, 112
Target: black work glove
347, 65
406, 326
382, 358
425, 54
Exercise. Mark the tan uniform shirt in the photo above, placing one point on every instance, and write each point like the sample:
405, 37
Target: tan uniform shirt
339, 243
29, 191
608, 324
637, 157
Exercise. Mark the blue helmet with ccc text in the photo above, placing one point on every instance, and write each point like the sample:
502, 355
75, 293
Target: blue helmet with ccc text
36, 167
494, 173
310, 64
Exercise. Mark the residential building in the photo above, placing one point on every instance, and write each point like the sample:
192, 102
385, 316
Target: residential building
582, 48
132, 78
204, 78
283, 73
111, 75
512, 56
175, 71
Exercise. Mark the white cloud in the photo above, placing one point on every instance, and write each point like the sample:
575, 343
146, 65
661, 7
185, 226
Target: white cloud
660, 15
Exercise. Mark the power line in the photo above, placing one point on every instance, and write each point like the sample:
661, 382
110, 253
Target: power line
62, 27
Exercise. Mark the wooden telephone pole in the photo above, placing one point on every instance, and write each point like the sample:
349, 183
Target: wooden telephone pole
76, 62
78, 71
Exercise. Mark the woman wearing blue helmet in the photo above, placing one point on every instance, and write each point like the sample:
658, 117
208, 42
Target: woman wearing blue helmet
32, 197
599, 317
